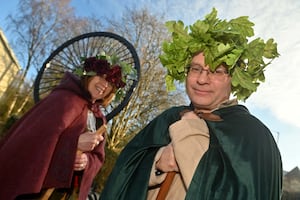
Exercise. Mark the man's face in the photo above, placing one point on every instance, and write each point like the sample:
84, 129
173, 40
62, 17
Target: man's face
207, 90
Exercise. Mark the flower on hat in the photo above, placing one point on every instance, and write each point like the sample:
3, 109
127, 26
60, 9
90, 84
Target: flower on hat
100, 65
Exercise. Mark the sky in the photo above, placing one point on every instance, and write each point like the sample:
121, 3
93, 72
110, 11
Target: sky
276, 102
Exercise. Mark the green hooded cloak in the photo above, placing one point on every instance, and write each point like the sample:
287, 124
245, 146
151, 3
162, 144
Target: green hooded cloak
241, 163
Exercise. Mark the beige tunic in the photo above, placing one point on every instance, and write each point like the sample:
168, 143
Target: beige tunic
190, 140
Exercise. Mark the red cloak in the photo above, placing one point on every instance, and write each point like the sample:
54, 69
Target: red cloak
39, 151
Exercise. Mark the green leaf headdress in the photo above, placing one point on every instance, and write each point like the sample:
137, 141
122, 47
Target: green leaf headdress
222, 42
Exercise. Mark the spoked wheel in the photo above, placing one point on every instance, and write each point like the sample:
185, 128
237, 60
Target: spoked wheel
68, 56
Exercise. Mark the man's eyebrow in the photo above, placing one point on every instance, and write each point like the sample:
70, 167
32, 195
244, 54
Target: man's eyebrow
198, 64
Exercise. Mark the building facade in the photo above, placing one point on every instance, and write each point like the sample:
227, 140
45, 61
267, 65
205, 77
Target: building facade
9, 66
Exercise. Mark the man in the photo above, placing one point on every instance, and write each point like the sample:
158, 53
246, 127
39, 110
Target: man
216, 148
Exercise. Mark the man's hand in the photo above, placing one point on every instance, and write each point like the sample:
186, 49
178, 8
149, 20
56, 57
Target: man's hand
167, 162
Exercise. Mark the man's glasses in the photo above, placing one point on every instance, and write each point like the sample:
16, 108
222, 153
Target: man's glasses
196, 70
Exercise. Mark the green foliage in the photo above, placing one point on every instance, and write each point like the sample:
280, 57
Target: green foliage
24, 102
7, 125
222, 42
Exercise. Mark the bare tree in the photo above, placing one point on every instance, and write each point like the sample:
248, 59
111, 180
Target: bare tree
39, 27
146, 32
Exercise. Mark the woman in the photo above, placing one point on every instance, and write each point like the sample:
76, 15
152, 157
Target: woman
53, 149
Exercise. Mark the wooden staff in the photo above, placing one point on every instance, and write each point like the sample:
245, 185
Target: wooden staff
165, 186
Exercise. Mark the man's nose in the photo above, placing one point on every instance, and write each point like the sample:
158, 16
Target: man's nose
203, 76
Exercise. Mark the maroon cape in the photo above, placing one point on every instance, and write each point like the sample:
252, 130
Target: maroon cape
39, 151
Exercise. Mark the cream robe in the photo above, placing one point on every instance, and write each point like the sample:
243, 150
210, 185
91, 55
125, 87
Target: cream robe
190, 140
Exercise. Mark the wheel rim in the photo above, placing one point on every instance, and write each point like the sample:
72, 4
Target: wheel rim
67, 56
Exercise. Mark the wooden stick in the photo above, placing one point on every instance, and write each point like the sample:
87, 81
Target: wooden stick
102, 129
47, 194
165, 186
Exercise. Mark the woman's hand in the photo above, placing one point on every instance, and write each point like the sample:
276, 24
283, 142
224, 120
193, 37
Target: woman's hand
88, 141
81, 161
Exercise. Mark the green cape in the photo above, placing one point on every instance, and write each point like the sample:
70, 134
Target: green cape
242, 162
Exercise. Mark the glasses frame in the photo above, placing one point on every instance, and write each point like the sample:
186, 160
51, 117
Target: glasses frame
196, 69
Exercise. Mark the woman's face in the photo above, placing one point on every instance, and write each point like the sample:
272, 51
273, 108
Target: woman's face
99, 88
